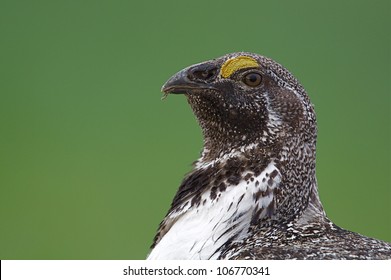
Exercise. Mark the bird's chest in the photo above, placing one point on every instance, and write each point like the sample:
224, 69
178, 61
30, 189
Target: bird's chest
201, 231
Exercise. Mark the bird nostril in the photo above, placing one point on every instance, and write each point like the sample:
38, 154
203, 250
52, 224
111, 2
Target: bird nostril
202, 74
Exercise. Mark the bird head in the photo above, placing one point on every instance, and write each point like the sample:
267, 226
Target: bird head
244, 98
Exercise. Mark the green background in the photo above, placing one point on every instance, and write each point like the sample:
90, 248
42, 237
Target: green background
90, 157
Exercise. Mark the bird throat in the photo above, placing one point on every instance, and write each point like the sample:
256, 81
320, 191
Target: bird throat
225, 129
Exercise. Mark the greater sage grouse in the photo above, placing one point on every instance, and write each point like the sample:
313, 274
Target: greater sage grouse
253, 192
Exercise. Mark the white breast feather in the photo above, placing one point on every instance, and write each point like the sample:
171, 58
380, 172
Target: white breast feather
199, 231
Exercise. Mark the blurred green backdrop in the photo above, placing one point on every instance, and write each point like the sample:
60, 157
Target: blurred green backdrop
90, 157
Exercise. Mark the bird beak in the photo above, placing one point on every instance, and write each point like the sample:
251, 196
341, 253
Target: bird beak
179, 83
190, 79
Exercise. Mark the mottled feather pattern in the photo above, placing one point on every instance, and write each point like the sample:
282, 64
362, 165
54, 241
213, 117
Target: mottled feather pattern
253, 192
247, 191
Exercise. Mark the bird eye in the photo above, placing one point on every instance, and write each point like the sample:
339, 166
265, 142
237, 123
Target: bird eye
252, 79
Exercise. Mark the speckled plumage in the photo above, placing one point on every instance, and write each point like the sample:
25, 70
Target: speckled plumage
253, 193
